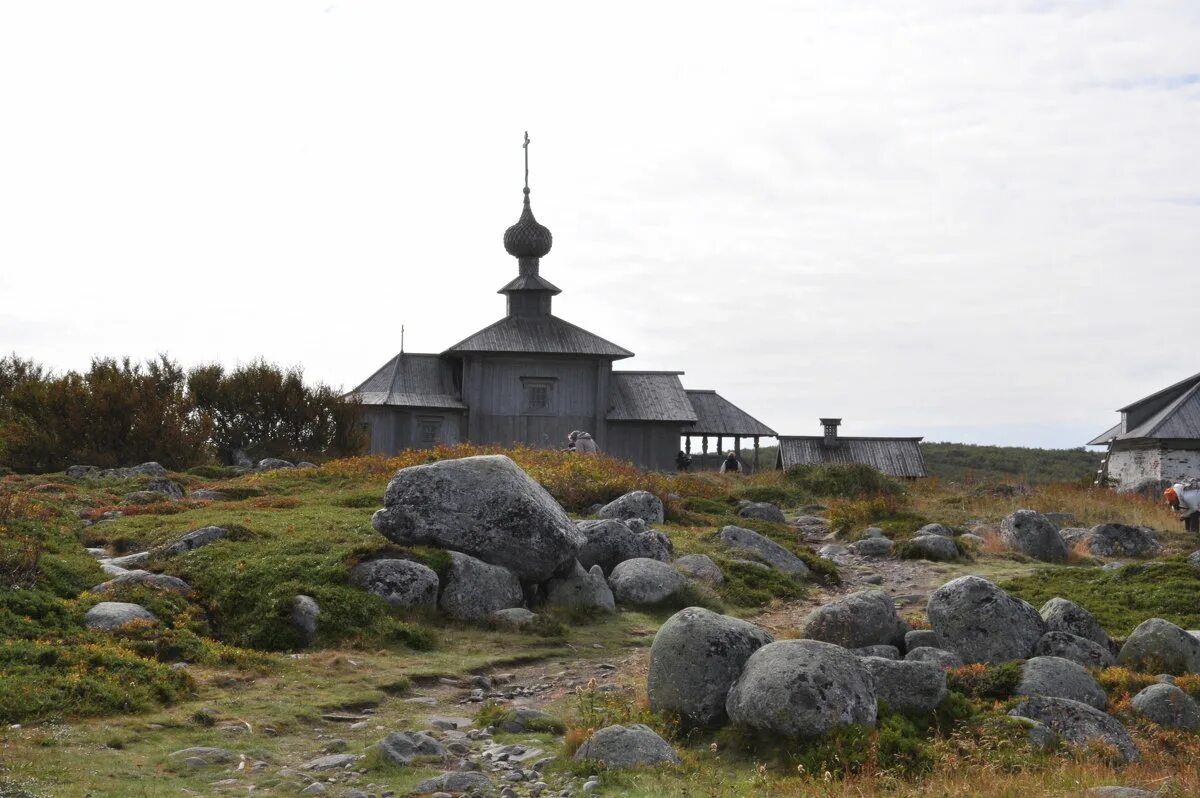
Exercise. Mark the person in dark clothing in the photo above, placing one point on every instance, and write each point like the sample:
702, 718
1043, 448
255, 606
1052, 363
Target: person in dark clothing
731, 464
683, 461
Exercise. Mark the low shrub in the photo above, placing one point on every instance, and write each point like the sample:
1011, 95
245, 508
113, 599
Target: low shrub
1120, 599
842, 481
750, 585
982, 681
891, 513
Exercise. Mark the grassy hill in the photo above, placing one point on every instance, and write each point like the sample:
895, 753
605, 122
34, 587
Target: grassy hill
964, 462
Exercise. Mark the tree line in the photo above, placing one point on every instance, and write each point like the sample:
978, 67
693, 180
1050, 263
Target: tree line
121, 412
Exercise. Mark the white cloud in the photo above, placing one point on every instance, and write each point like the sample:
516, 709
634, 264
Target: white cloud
962, 219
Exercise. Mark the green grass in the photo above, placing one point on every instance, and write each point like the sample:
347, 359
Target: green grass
1122, 599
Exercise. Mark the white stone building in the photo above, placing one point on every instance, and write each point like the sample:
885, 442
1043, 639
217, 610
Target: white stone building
1157, 440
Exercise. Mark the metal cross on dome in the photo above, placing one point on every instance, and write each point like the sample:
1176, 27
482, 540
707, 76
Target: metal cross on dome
525, 146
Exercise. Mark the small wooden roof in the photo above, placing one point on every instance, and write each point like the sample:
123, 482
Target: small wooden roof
541, 335
716, 415
411, 380
649, 396
896, 457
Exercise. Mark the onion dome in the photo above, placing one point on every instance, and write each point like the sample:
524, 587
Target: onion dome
527, 238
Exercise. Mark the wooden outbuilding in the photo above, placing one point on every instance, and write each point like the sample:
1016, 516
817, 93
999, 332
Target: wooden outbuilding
896, 457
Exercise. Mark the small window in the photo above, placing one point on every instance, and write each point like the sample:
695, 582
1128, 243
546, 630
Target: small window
429, 431
539, 396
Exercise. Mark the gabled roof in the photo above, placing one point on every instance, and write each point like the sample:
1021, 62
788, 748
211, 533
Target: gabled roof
716, 415
539, 334
649, 396
411, 380
1172, 413
896, 457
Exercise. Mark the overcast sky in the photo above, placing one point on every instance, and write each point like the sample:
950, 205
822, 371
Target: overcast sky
972, 221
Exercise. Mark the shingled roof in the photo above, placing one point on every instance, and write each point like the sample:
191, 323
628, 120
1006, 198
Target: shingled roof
896, 457
716, 415
649, 396
411, 380
540, 334
1172, 413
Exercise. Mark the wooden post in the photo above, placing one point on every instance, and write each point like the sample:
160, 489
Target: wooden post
704, 456
756, 453
687, 444
737, 447
720, 449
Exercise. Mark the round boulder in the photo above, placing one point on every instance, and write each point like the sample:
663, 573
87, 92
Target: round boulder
1087, 653
580, 589
1078, 723
474, 589
696, 657
401, 583
163, 582
981, 623
608, 542
701, 568
872, 547
1160, 646
938, 656
192, 540
1060, 678
642, 581
1033, 534
629, 746
1122, 540
1062, 615
935, 529
907, 686
763, 511
638, 504
486, 507
865, 618
937, 548
916, 638
115, 614
747, 541
1168, 705
802, 687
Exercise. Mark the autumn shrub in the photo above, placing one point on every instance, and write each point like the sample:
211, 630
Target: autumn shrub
983, 681
843, 481
890, 512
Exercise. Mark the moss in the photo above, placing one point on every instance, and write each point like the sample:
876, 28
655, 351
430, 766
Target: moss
1120, 599
980, 681
750, 585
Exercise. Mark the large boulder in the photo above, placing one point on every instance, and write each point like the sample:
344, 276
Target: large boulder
907, 686
865, 618
143, 470
643, 581
1122, 540
802, 687
1087, 653
274, 464
747, 541
629, 746
486, 507
1033, 534
401, 583
1078, 724
937, 548
607, 543
981, 623
941, 530
916, 638
580, 589
1060, 678
192, 540
638, 504
82, 471
763, 511
1160, 646
169, 489
1167, 705
140, 578
474, 589
1062, 615
696, 657
701, 568
115, 614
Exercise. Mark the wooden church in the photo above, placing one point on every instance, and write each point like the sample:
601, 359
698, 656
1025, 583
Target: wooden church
532, 378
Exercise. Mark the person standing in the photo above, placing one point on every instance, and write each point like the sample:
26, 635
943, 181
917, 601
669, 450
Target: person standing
731, 465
